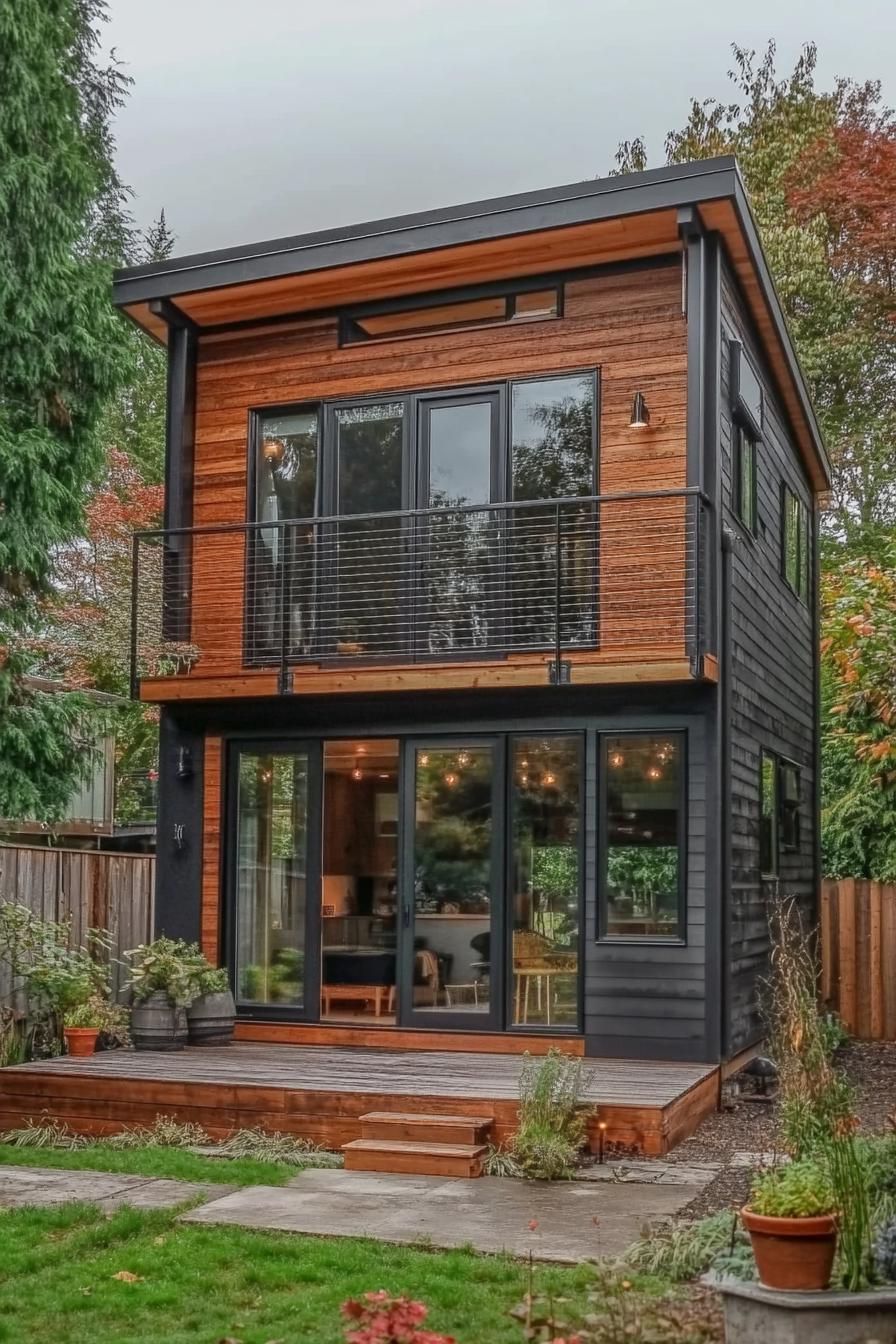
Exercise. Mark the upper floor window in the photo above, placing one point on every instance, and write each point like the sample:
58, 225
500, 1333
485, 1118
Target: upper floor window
745, 480
795, 543
400, 317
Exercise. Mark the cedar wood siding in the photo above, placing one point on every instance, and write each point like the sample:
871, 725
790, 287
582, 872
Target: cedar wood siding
627, 323
772, 681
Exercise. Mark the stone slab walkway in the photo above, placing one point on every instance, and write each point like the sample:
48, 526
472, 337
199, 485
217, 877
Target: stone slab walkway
48, 1187
566, 1221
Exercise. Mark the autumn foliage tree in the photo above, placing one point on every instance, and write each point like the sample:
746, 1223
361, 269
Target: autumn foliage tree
820, 167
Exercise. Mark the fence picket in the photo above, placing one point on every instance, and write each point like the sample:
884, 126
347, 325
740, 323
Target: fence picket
94, 890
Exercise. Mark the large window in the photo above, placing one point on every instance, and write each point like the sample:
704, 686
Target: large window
420, 563
795, 543
545, 775
642, 868
271, 878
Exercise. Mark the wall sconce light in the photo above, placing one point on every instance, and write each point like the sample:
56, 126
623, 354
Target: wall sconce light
184, 763
640, 414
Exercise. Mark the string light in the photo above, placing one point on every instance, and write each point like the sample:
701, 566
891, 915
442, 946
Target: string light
450, 779
617, 759
424, 758
549, 780
357, 773
463, 758
524, 780
654, 772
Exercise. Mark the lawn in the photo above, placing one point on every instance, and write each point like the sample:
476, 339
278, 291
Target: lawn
153, 1160
201, 1285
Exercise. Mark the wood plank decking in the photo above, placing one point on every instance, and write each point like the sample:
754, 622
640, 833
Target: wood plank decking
320, 1092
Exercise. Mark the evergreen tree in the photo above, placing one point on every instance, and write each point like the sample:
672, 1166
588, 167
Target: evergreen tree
135, 419
63, 224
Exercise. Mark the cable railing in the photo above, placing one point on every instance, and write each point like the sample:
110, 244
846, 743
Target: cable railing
609, 573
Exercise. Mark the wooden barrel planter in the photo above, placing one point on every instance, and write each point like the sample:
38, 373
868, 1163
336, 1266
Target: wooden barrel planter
211, 1019
156, 1024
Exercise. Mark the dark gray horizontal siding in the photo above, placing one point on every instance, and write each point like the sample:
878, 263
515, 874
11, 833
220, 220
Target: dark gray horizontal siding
772, 682
650, 1001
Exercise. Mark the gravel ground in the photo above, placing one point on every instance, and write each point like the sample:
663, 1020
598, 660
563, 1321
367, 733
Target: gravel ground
750, 1126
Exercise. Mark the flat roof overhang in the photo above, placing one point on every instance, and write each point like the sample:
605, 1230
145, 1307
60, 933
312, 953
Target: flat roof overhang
585, 224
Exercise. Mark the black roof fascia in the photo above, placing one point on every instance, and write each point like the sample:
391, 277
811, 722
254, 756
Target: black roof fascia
557, 207
664, 188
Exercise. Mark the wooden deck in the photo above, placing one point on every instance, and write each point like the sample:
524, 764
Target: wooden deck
320, 1092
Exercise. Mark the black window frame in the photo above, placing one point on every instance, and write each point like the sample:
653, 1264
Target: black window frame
326, 408
786, 813
771, 869
800, 588
642, 940
746, 507
349, 331
790, 828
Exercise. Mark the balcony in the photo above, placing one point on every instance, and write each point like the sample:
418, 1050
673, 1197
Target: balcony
576, 589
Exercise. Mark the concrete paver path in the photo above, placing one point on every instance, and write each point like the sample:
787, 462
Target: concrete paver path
48, 1187
564, 1221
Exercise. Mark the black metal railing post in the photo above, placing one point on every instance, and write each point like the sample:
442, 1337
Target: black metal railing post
135, 611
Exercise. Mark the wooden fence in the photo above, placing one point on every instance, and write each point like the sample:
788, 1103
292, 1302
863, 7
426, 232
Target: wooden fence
95, 891
858, 955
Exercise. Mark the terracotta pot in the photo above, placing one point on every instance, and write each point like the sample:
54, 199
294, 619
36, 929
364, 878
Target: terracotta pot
80, 1041
795, 1253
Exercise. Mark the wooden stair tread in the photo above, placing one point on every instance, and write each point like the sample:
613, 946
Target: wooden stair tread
409, 1146
420, 1118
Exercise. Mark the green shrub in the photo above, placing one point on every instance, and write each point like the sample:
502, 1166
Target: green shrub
796, 1190
552, 1120
680, 1251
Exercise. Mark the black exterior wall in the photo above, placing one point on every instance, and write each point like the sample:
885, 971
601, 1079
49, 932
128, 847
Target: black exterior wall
642, 999
773, 681
179, 830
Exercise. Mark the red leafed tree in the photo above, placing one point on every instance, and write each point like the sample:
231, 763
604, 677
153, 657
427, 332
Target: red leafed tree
87, 639
849, 179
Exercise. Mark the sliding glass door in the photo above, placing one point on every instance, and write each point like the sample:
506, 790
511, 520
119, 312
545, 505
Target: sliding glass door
451, 906
275, 910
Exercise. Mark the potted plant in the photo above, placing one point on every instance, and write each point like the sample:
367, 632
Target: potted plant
792, 1226
82, 1025
162, 984
211, 1016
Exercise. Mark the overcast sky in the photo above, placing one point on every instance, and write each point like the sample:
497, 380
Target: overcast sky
251, 119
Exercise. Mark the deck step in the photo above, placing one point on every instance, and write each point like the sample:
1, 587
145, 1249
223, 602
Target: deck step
415, 1158
418, 1128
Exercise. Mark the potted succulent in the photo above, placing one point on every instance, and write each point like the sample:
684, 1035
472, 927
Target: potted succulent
211, 1016
162, 984
792, 1225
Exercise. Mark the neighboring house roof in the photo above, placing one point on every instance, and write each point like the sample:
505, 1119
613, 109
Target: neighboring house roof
607, 219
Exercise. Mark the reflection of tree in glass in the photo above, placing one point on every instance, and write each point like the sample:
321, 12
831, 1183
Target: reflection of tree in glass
645, 876
553, 458
459, 551
369, 552
454, 827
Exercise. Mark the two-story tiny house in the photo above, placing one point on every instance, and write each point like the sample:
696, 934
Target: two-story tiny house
483, 620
